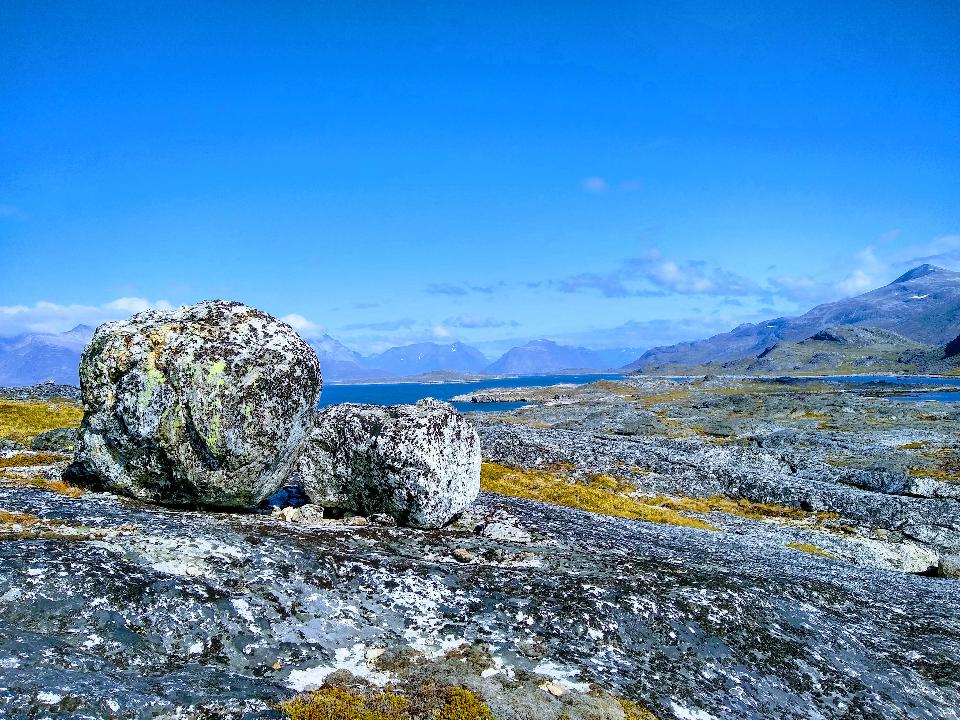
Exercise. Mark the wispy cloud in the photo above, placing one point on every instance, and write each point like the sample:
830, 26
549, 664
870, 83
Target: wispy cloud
871, 267
400, 324
944, 250
307, 328
653, 274
460, 289
599, 185
595, 184
53, 317
446, 289
476, 321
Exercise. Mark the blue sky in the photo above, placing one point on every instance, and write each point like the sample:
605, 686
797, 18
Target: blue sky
611, 174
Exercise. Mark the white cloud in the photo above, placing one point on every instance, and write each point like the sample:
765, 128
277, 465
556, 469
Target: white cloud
594, 184
654, 274
874, 266
307, 328
944, 250
52, 317
439, 331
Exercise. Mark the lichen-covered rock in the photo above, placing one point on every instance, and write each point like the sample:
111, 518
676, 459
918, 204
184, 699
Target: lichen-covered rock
205, 405
418, 463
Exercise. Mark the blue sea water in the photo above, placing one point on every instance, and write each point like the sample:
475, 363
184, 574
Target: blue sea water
944, 396
405, 393
893, 379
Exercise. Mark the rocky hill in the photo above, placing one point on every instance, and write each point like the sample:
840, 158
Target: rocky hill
846, 349
922, 305
427, 357
544, 356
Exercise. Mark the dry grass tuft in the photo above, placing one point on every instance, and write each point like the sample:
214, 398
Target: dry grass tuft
634, 711
16, 518
22, 460
337, 703
21, 421
739, 508
671, 397
811, 549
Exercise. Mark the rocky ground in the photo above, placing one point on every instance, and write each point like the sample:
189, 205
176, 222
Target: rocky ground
826, 593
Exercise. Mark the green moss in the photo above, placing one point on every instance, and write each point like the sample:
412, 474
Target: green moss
913, 446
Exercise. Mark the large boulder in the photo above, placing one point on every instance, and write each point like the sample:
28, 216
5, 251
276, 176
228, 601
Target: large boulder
205, 405
417, 463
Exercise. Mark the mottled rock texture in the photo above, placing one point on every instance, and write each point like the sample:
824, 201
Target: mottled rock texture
418, 463
56, 440
204, 405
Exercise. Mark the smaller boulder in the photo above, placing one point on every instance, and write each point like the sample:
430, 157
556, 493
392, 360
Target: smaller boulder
57, 440
11, 446
420, 463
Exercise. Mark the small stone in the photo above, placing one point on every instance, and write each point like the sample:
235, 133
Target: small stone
505, 532
291, 514
277, 665
383, 519
357, 520
553, 688
311, 513
462, 555
373, 654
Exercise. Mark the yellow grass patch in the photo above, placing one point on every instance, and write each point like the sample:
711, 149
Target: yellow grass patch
740, 508
671, 396
335, 703
635, 711
21, 421
808, 548
602, 495
31, 459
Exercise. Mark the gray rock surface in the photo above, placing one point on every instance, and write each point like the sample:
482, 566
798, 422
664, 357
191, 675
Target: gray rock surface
175, 614
206, 405
418, 463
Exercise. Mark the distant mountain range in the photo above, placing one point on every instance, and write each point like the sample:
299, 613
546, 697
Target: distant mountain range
428, 357
910, 325
922, 306
544, 356
843, 349
37, 357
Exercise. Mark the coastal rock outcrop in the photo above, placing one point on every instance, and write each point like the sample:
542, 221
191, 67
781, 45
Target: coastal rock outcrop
417, 463
207, 404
